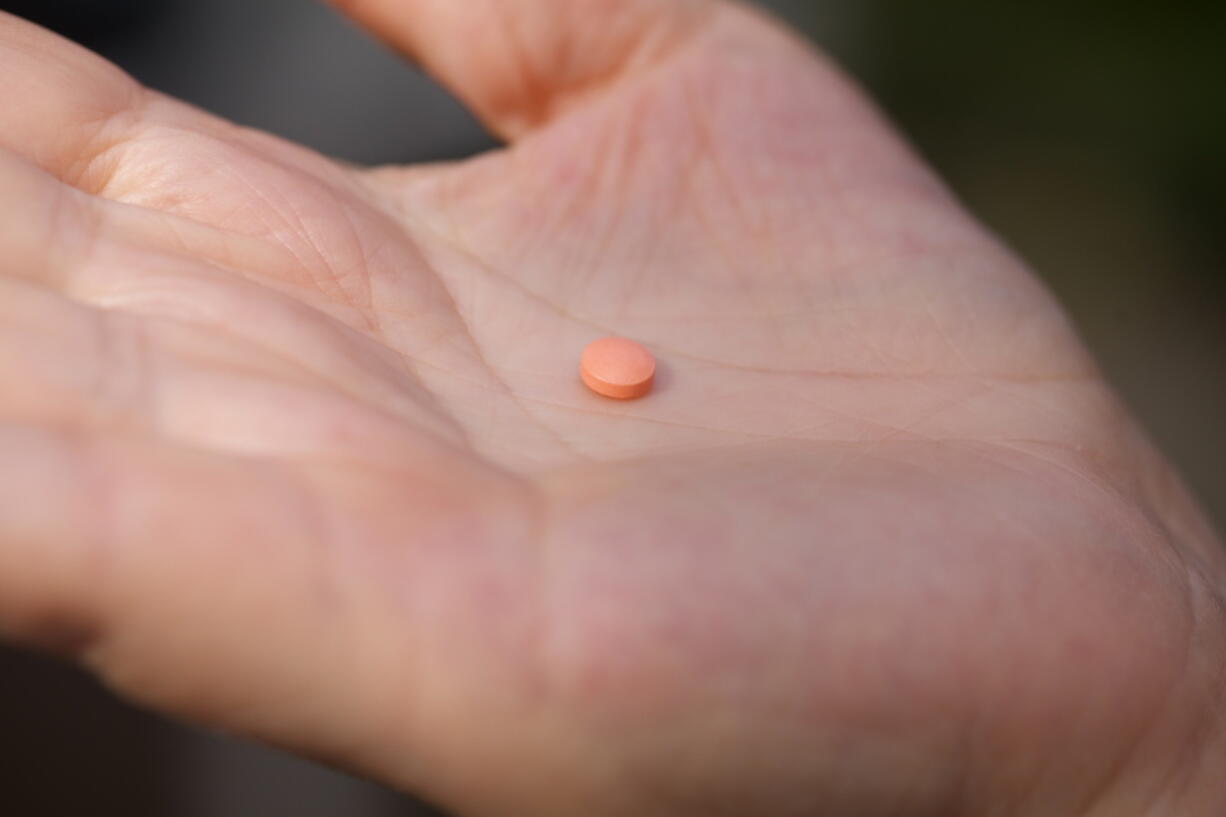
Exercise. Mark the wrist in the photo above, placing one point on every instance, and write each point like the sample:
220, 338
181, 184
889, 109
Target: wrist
1183, 772
1196, 782
1204, 790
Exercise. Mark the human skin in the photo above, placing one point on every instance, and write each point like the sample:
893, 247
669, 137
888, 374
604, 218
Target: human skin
299, 451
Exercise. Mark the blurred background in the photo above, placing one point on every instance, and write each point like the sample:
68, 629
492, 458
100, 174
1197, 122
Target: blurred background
1091, 135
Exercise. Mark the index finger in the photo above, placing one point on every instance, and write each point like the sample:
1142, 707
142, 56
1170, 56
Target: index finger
61, 106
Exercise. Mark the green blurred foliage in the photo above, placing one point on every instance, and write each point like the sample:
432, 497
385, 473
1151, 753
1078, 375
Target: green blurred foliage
1137, 87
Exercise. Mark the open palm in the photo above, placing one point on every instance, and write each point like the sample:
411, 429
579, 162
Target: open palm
299, 450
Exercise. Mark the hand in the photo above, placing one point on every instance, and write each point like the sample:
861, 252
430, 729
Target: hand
299, 451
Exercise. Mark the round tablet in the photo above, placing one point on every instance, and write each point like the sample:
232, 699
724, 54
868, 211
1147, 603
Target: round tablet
617, 368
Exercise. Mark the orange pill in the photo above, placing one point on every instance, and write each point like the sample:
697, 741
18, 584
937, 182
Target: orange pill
617, 368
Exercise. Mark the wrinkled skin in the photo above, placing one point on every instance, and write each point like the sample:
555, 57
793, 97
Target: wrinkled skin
298, 450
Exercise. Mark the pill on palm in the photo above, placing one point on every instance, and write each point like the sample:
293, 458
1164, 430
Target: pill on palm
617, 368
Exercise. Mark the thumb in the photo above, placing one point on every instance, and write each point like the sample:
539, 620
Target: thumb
518, 63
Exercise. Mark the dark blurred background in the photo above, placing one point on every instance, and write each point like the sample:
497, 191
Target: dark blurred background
1091, 135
